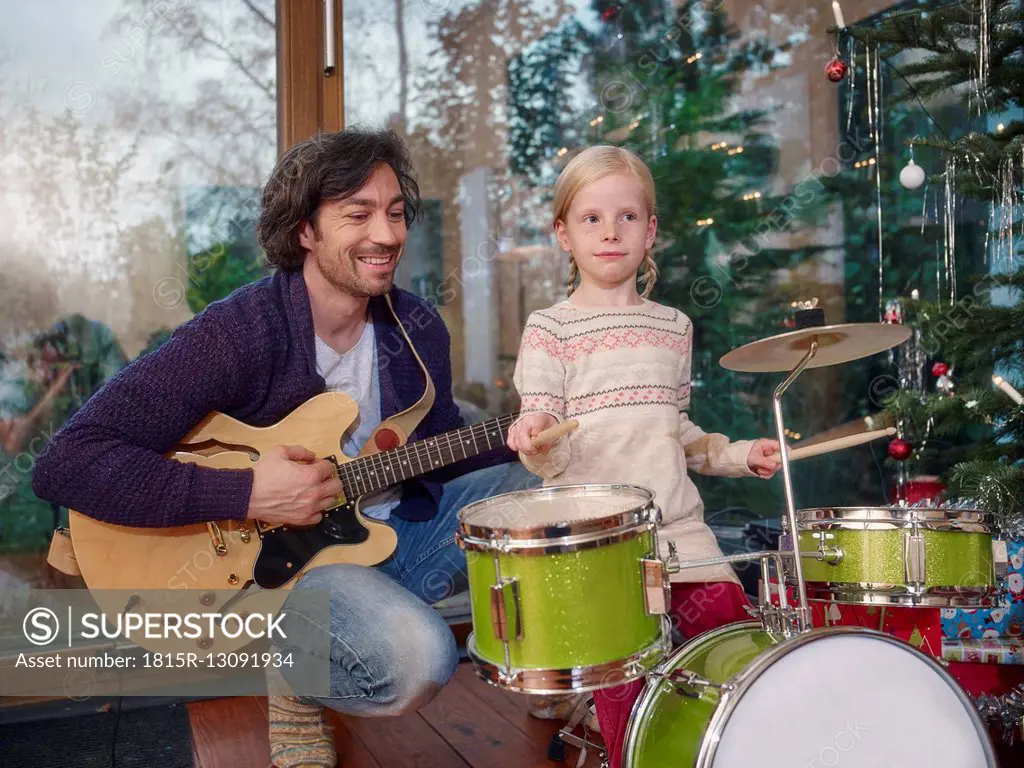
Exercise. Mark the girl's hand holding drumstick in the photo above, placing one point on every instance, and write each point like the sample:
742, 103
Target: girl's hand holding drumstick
839, 443
537, 432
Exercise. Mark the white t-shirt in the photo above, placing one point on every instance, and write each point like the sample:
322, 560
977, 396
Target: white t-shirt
355, 374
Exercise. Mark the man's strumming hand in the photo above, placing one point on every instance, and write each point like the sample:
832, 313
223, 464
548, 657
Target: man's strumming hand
290, 486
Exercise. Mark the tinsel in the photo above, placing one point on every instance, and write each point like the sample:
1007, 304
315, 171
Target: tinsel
949, 228
872, 60
851, 77
1007, 206
1005, 711
984, 56
991, 495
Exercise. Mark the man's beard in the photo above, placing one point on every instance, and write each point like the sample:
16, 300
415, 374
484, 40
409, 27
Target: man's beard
342, 272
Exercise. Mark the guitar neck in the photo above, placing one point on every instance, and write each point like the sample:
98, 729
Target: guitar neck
381, 470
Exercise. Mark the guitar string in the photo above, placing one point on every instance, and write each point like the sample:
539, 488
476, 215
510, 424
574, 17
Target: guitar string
371, 472
354, 476
422, 449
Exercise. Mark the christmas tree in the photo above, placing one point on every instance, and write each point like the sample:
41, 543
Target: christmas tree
954, 422
965, 429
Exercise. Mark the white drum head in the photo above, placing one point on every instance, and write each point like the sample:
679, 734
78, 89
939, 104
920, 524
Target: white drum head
855, 701
523, 511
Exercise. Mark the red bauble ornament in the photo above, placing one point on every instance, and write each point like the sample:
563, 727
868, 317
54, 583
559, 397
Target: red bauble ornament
899, 449
609, 13
940, 369
835, 70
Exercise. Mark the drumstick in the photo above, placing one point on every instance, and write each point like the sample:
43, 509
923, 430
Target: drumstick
551, 434
839, 443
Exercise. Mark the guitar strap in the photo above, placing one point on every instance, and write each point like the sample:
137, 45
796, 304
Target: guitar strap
62, 553
404, 423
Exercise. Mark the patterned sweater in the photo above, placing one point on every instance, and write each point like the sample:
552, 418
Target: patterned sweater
624, 374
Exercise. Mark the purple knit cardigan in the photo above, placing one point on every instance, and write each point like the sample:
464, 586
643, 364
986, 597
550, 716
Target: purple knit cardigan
252, 356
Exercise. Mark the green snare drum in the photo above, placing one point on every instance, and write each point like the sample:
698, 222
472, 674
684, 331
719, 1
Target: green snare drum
739, 697
897, 555
567, 590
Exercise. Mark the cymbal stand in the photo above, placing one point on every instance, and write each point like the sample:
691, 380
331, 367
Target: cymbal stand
803, 611
778, 620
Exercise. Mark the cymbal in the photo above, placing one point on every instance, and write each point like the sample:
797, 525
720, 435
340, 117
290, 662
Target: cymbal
836, 344
879, 420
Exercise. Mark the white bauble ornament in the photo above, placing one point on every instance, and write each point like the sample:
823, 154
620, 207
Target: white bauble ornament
912, 175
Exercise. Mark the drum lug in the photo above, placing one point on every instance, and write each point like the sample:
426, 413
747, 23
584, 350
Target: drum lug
830, 555
672, 561
914, 558
689, 684
657, 588
505, 601
1000, 559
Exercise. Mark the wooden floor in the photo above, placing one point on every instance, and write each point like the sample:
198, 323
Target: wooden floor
470, 723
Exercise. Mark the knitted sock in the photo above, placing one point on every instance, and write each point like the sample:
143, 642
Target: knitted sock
299, 737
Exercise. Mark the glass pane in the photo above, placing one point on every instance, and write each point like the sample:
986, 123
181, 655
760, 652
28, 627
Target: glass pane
134, 136
765, 177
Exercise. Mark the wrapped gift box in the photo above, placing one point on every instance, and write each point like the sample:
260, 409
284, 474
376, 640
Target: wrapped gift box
919, 627
989, 650
1003, 620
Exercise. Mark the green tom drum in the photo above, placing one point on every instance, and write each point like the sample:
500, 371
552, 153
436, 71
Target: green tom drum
897, 555
566, 588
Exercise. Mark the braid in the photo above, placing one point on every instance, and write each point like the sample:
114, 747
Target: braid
650, 274
574, 271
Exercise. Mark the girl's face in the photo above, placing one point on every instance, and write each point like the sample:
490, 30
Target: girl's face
608, 229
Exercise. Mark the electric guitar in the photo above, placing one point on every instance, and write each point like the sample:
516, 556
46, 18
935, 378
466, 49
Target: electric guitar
204, 567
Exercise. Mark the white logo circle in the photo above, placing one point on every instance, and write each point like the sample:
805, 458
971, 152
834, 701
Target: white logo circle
40, 626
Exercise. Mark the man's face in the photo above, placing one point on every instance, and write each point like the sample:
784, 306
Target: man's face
360, 238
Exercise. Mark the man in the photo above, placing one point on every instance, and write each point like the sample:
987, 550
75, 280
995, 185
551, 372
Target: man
333, 221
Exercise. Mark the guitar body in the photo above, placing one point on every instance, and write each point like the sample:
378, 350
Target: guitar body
202, 567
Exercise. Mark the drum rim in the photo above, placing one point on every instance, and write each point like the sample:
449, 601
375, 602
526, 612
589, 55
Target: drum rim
811, 518
869, 593
726, 706
543, 535
594, 677
645, 700
747, 677
557, 546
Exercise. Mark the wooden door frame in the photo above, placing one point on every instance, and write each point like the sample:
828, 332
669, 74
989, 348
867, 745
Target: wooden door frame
308, 101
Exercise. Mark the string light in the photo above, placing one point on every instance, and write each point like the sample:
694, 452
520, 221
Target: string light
1000, 128
562, 151
705, 222
864, 163
752, 196
736, 151
596, 120
694, 58
719, 145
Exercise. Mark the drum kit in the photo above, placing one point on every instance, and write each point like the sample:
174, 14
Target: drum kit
569, 595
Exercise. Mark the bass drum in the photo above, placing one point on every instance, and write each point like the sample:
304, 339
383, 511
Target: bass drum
738, 697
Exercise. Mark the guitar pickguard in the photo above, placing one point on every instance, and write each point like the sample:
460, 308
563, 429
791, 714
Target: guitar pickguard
286, 551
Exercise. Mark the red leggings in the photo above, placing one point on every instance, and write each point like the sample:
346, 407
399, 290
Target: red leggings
696, 608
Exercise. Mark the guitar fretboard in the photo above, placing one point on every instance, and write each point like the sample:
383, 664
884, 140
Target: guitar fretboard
381, 470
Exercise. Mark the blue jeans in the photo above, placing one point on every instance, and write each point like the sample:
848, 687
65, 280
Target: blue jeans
390, 650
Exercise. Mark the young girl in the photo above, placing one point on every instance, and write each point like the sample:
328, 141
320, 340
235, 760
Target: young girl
619, 363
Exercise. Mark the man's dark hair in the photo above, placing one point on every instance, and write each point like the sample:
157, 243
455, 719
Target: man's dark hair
329, 166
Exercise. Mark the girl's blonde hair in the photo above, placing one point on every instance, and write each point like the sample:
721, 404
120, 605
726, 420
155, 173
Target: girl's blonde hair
593, 164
